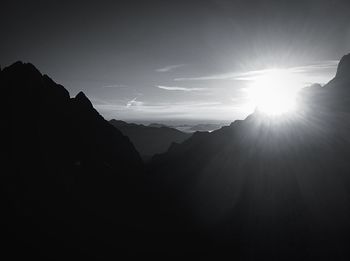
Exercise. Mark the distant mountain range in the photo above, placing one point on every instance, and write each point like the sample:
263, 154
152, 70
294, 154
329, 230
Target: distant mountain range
152, 139
157, 125
189, 128
261, 188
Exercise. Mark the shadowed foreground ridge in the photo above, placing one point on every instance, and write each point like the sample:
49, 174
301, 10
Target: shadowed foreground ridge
260, 188
71, 173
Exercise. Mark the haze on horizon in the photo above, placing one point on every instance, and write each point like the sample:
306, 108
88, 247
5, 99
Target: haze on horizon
178, 60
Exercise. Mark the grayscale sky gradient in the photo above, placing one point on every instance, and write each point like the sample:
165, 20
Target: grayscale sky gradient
174, 60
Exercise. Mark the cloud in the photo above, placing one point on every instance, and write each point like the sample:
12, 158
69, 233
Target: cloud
169, 68
322, 65
184, 89
224, 76
133, 102
135, 109
233, 103
158, 107
250, 75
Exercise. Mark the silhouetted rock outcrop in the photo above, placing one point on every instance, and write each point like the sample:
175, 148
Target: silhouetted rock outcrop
332, 97
344, 68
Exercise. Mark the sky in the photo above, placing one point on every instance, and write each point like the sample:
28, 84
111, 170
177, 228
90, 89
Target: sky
174, 60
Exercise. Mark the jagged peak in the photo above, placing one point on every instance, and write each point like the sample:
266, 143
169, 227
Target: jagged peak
16, 64
20, 66
82, 99
343, 70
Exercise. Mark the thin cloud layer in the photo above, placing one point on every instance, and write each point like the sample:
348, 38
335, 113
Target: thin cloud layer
176, 88
311, 68
229, 94
133, 102
169, 68
135, 109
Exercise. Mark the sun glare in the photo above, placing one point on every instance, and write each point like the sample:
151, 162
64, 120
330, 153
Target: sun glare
272, 92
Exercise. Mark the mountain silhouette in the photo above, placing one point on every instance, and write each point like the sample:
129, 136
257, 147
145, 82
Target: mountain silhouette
74, 183
268, 187
157, 125
261, 188
150, 140
343, 68
205, 127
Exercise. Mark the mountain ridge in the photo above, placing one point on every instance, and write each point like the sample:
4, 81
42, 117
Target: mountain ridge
67, 167
259, 188
248, 179
150, 140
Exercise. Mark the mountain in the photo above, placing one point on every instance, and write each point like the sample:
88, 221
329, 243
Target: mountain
334, 96
266, 188
343, 68
74, 184
205, 127
150, 140
157, 125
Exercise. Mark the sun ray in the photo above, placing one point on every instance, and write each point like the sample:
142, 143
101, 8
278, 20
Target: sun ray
272, 92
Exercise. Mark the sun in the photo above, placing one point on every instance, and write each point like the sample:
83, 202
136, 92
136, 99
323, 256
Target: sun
272, 92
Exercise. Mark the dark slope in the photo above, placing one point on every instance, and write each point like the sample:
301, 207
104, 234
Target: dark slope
267, 188
74, 186
261, 188
150, 140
